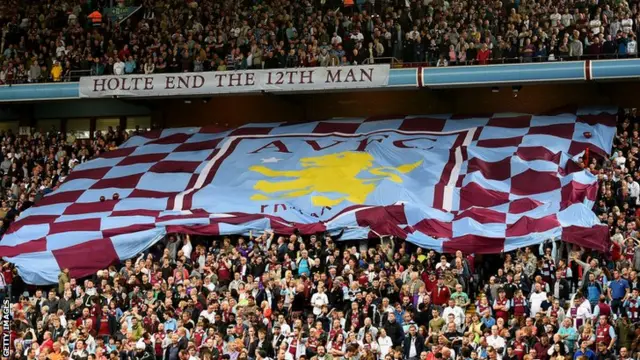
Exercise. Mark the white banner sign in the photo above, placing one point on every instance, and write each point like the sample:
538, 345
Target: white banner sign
246, 81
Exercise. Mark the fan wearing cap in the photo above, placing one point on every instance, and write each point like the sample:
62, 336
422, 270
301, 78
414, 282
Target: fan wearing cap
441, 293
142, 353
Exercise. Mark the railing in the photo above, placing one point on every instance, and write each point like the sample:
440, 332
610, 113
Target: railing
519, 60
383, 60
71, 76
75, 75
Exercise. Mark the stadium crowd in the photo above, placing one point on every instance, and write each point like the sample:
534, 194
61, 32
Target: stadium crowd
53, 40
266, 296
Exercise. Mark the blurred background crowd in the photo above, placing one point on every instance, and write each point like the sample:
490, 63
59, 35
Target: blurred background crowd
61, 40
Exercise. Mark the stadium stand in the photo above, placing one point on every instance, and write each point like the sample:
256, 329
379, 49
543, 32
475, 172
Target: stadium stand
62, 40
270, 297
313, 298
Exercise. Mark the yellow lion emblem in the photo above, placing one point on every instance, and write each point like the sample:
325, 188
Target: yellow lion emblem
334, 173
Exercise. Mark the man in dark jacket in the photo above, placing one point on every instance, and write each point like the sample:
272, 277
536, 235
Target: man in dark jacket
173, 350
560, 288
142, 353
394, 330
609, 47
604, 353
261, 344
413, 344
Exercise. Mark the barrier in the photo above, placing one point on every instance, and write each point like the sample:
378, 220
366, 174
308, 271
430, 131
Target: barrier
406, 78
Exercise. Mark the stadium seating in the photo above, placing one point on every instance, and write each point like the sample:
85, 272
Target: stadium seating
70, 39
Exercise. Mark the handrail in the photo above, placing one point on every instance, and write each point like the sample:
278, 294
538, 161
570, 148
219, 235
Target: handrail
75, 75
523, 60
382, 60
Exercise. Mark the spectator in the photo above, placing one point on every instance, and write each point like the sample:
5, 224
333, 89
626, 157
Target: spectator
118, 67
130, 65
34, 72
576, 47
97, 68
149, 66
56, 71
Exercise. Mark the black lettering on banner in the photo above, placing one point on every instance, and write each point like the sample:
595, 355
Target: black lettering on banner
99, 84
113, 84
198, 81
350, 76
280, 78
148, 83
220, 77
366, 73
291, 73
124, 85
169, 82
183, 82
306, 77
250, 81
235, 79
333, 75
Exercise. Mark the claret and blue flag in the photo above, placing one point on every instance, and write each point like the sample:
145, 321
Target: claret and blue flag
480, 184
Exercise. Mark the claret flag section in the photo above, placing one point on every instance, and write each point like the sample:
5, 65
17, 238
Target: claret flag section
480, 184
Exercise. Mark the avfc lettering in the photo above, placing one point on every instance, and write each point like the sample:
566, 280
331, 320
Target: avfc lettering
421, 143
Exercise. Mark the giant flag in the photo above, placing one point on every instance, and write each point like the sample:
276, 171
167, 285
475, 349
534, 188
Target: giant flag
480, 184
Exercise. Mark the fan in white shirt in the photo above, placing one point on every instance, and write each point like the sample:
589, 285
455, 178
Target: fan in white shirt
357, 36
318, 300
627, 24
584, 311
595, 25
633, 186
536, 299
566, 19
385, 343
632, 46
118, 68
336, 40
457, 313
285, 329
187, 248
209, 314
496, 341
555, 19
619, 159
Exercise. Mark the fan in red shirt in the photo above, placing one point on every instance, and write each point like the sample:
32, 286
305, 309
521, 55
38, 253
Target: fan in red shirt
441, 293
86, 319
431, 283
7, 272
47, 343
483, 55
